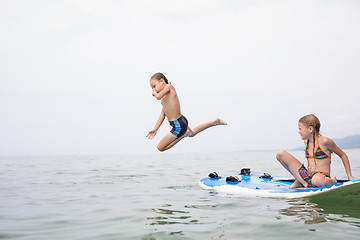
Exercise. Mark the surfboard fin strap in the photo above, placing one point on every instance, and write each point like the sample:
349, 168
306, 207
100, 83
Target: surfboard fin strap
214, 175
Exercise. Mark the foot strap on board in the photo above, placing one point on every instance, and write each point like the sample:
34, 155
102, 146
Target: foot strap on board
233, 179
245, 171
266, 176
214, 175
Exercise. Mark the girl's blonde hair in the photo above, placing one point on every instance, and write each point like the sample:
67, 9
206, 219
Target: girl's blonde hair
311, 120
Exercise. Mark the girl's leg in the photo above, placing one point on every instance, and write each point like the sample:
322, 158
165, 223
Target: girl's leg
292, 165
320, 180
204, 126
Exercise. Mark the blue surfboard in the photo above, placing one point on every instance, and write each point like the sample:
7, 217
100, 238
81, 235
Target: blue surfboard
257, 185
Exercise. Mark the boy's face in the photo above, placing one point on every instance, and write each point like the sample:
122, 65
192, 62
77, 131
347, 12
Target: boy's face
157, 85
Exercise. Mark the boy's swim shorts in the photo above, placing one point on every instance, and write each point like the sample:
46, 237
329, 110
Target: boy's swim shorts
179, 126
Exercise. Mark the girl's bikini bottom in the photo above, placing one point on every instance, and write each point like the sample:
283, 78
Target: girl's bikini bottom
307, 175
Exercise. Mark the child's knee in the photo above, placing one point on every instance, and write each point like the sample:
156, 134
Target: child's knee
160, 148
280, 154
318, 180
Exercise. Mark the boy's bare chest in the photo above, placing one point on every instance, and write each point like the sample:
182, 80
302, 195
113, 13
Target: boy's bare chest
165, 100
168, 98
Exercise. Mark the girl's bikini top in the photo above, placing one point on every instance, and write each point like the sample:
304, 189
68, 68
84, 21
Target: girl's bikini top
319, 153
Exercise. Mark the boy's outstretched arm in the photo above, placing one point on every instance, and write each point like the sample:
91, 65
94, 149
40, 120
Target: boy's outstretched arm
163, 92
152, 133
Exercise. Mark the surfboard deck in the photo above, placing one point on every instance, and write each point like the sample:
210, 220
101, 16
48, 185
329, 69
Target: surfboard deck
253, 185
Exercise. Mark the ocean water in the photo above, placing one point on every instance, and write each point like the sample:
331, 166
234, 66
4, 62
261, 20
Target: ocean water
157, 196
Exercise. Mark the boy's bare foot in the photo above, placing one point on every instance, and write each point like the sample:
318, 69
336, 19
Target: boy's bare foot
219, 121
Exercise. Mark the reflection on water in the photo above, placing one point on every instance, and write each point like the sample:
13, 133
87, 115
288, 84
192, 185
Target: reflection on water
304, 211
347, 206
318, 210
167, 215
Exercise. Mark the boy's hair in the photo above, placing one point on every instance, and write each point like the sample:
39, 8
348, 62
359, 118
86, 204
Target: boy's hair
311, 121
158, 76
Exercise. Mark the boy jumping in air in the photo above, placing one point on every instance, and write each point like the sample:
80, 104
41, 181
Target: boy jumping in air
171, 109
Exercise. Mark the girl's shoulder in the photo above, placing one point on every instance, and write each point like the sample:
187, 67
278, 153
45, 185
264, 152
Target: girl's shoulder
327, 142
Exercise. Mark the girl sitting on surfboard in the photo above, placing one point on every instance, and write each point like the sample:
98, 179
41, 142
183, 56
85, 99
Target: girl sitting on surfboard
163, 90
318, 151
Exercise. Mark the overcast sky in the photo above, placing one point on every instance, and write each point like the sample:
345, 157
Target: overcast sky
75, 74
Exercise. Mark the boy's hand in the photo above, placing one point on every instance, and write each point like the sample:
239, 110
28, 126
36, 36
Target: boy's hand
153, 93
151, 134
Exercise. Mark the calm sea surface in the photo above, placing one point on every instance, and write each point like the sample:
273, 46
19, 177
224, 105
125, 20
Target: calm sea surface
157, 196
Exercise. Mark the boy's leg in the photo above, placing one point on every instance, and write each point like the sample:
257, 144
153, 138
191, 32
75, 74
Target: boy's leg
177, 140
204, 126
292, 165
168, 141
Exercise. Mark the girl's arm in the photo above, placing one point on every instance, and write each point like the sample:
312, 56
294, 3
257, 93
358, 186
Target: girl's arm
152, 133
161, 94
330, 144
